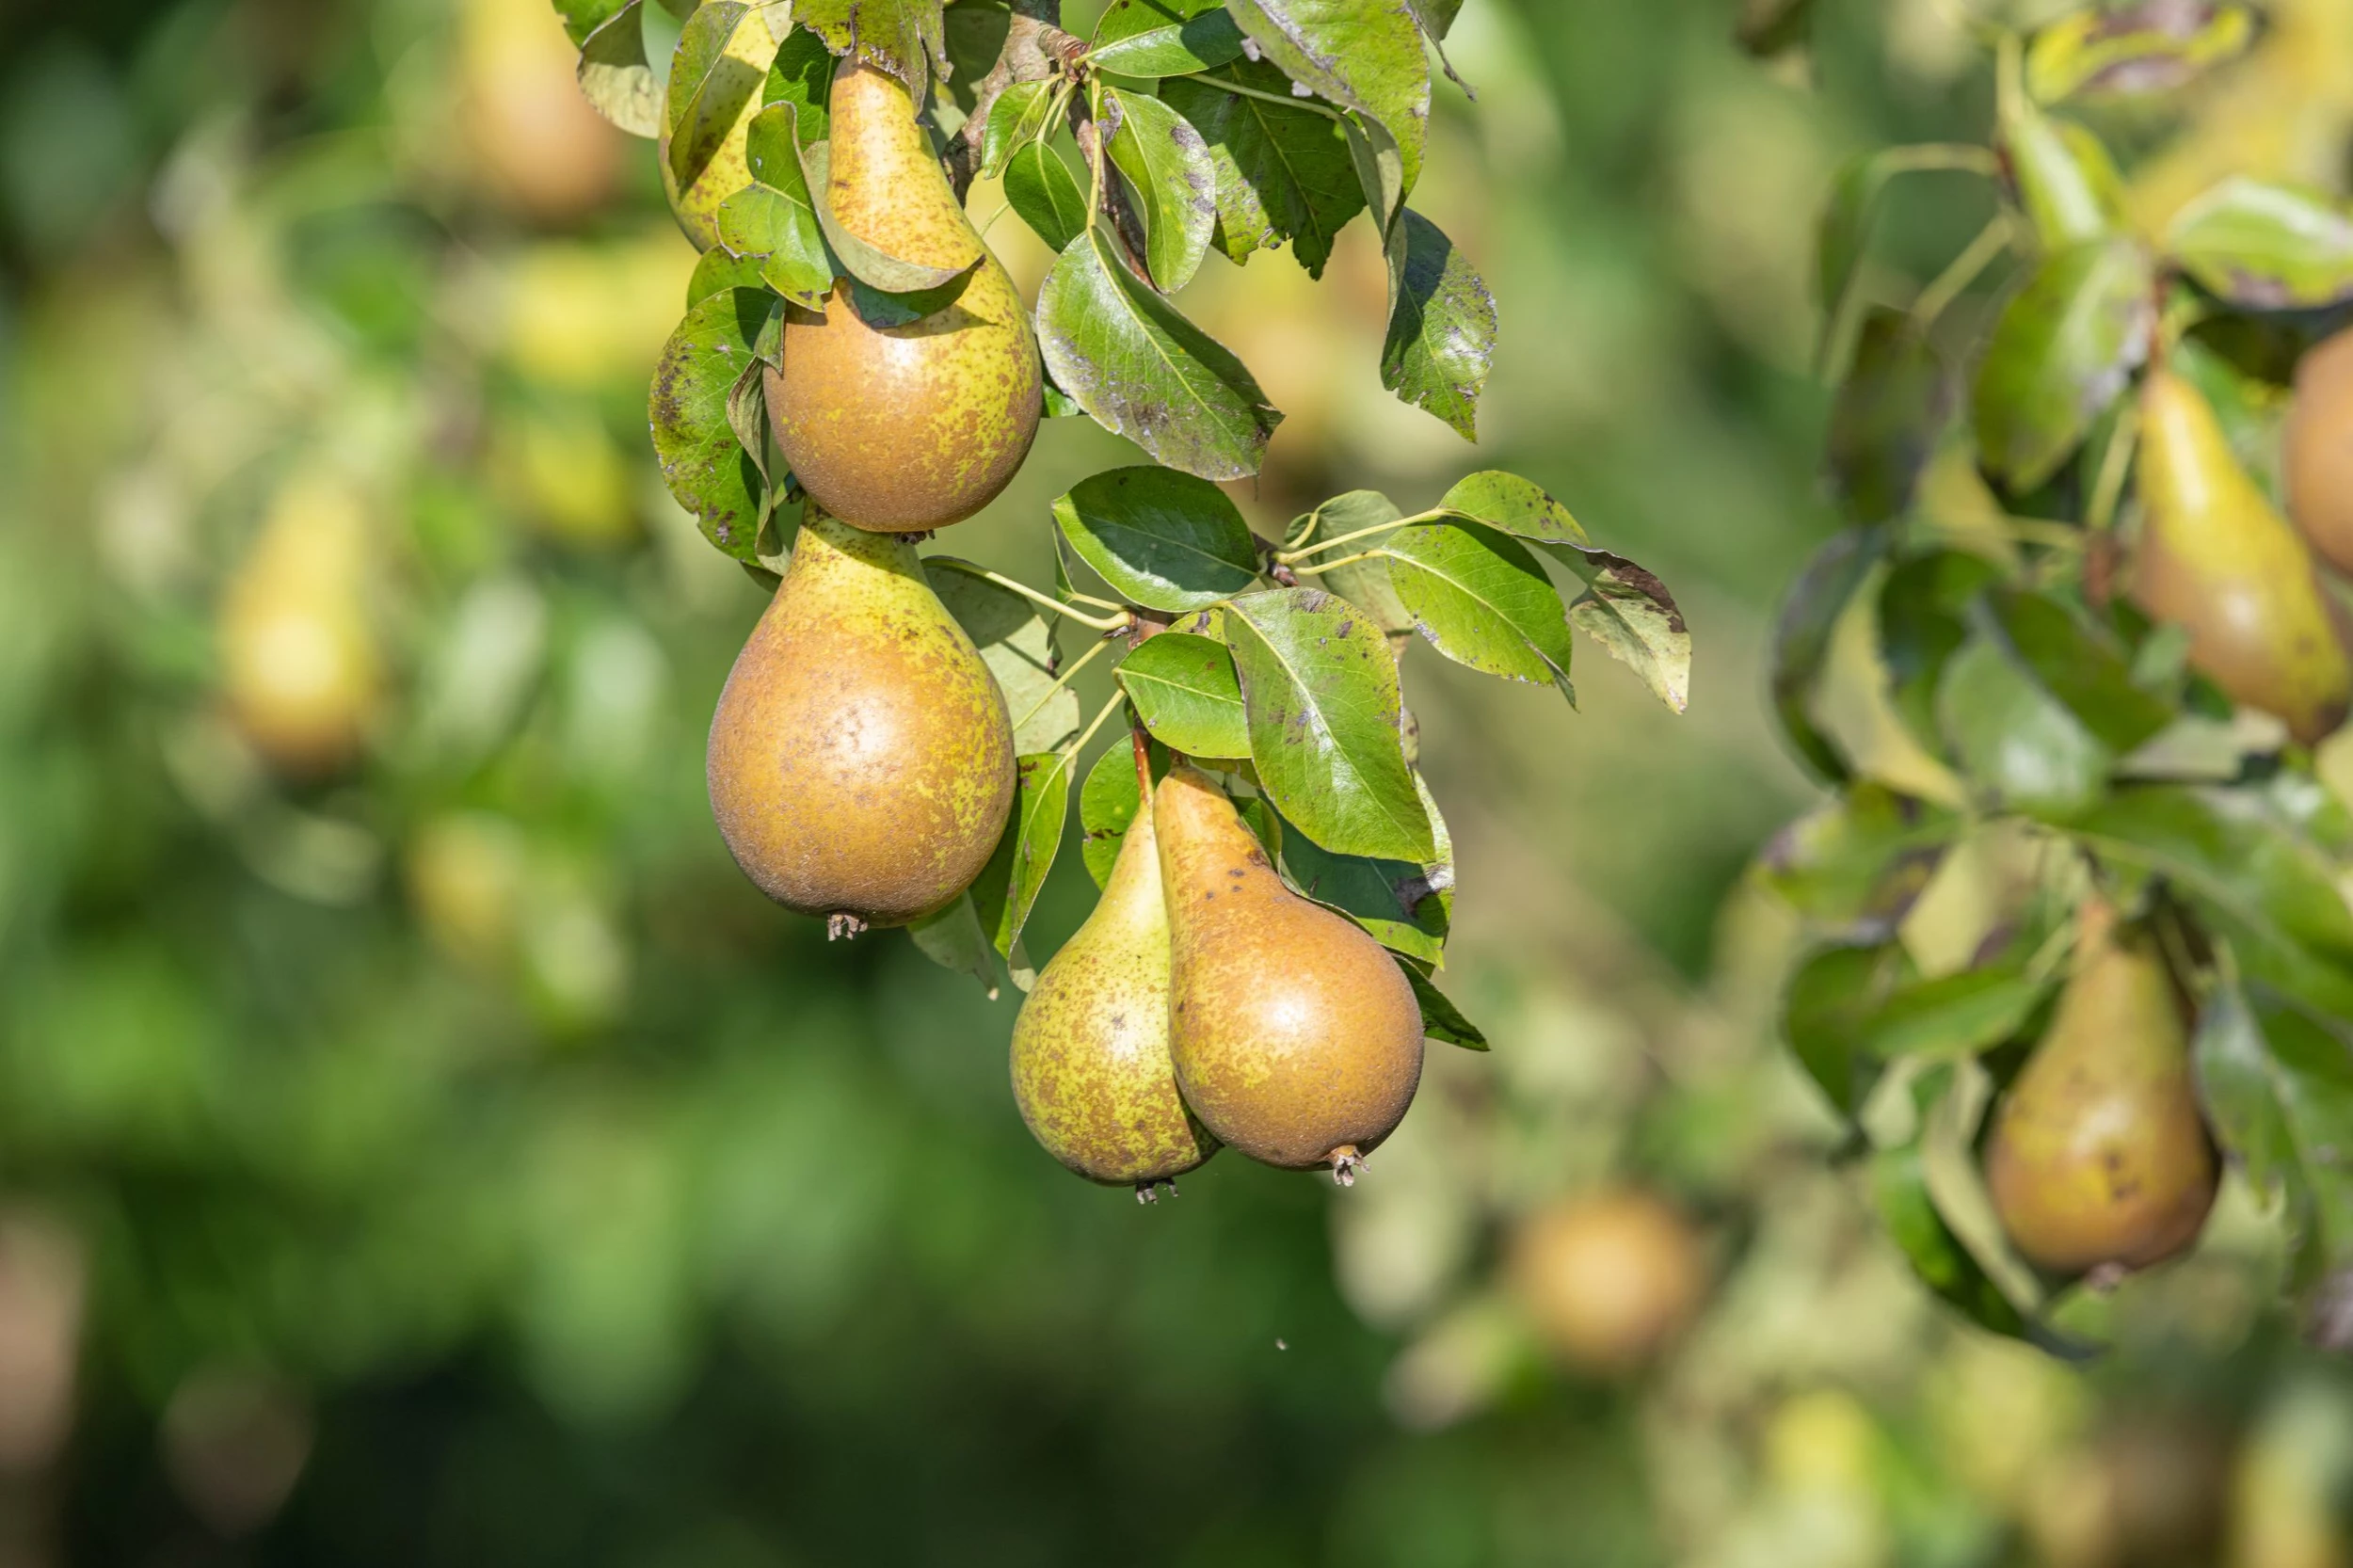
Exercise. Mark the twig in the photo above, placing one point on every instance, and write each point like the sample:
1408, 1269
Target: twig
1060, 681
1991, 241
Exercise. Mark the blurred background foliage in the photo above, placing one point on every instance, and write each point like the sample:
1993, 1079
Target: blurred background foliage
418, 1145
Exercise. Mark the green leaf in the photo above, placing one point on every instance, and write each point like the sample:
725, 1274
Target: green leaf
1824, 1012
1043, 192
1008, 887
2133, 50
1396, 901
2065, 176
1844, 230
1138, 37
1627, 610
1017, 119
1801, 640
1921, 627
1900, 1189
583, 17
953, 938
1283, 172
1185, 692
615, 75
1481, 600
937, 286
2064, 350
2018, 746
1856, 863
902, 37
1321, 692
1440, 1018
705, 466
976, 31
1108, 804
1364, 583
1954, 1014
2267, 247
1142, 370
1016, 642
2082, 665
1889, 414
1161, 539
716, 270
1442, 325
1365, 55
1169, 172
773, 218
709, 87
803, 77
1519, 506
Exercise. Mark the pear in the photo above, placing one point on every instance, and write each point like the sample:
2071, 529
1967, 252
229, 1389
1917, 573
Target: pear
1090, 1050
534, 141
2319, 449
1608, 1279
300, 663
2217, 558
862, 759
2099, 1157
722, 122
907, 428
1295, 1037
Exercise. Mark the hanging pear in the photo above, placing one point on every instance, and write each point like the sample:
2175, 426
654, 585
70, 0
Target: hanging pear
1091, 1071
2319, 451
1609, 1278
717, 162
861, 760
2215, 557
1295, 1037
300, 663
907, 428
2099, 1156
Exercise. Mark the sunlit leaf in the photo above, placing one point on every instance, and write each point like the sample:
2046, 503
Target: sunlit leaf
1283, 171
2064, 349
1441, 325
1161, 538
1173, 182
2267, 247
1043, 194
1889, 417
1365, 55
705, 466
615, 75
1016, 642
2150, 47
1482, 599
1440, 1018
1185, 692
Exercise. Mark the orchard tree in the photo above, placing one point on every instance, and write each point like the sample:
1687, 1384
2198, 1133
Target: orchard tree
899, 743
2107, 655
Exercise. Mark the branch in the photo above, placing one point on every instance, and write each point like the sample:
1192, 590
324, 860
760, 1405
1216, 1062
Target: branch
1034, 45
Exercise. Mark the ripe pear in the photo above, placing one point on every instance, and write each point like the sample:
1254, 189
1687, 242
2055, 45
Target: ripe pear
534, 140
1090, 1049
908, 429
299, 662
1295, 1037
2099, 1157
2319, 451
1608, 1279
723, 119
862, 759
2217, 558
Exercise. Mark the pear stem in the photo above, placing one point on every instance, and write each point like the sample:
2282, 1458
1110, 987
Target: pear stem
1287, 100
1144, 762
1343, 561
1060, 681
1288, 556
1093, 725
1118, 623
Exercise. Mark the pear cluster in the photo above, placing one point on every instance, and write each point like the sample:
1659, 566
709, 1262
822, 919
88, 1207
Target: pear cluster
861, 763
1204, 1003
2099, 1159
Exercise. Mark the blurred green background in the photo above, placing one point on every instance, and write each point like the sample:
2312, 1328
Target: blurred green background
418, 1145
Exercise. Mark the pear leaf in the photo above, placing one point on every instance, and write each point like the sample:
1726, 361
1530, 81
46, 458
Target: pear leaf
718, 269
902, 37
1168, 168
1921, 625
802, 76
2267, 247
702, 461
773, 219
1283, 172
615, 75
1441, 325
1364, 54
1153, 38
583, 17
1016, 643
1481, 600
953, 938
1397, 901
1017, 119
1890, 413
1856, 864
1108, 804
2018, 744
1440, 1018
1008, 885
1160, 537
2153, 46
709, 87
1801, 638
2082, 665
1040, 189
2064, 349
1899, 1190
1186, 694
1320, 693
1142, 370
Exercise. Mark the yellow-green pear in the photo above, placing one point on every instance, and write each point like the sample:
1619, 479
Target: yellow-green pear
1091, 1071
1295, 1037
862, 759
2099, 1157
720, 121
2217, 558
300, 663
1608, 1279
908, 429
2319, 449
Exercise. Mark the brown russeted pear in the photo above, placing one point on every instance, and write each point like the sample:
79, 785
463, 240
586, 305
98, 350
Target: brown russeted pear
2216, 558
1090, 1050
2319, 449
907, 428
1608, 1279
2099, 1157
721, 125
862, 759
300, 663
1295, 1037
